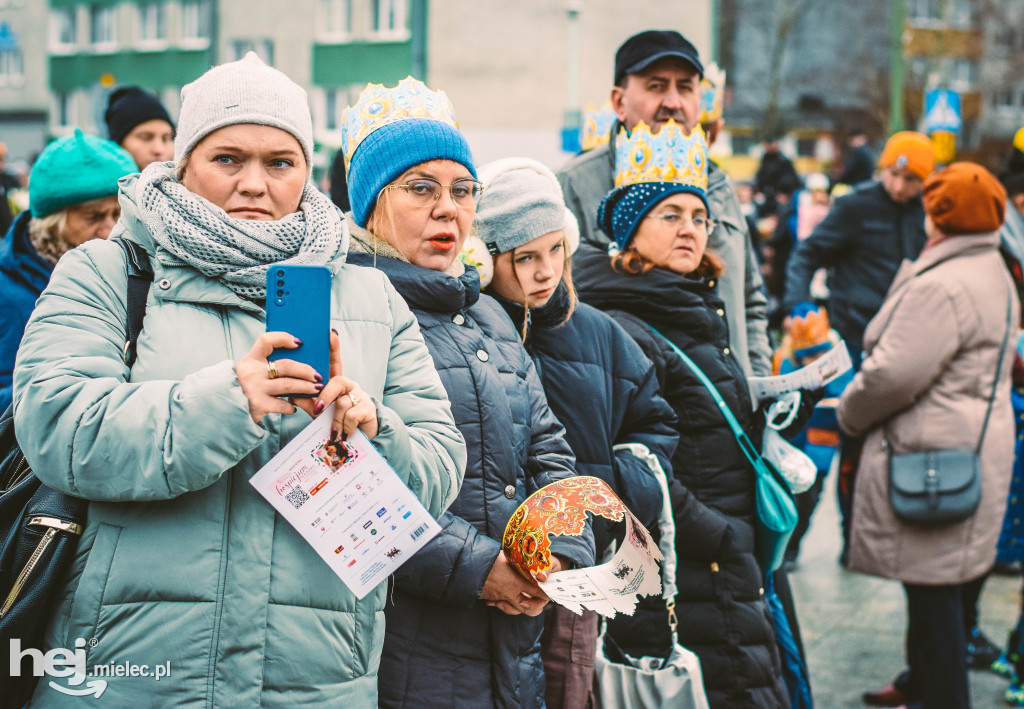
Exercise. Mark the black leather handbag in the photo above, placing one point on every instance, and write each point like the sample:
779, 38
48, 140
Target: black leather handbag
942, 486
40, 526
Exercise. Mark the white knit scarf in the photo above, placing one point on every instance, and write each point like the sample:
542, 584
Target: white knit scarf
237, 251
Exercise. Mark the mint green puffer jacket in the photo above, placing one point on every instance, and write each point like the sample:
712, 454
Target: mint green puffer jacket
181, 560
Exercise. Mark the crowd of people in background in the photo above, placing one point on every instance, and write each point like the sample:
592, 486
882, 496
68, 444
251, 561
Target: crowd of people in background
497, 328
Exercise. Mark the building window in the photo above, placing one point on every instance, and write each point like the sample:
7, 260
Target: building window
963, 74
102, 20
924, 11
241, 47
1002, 99
11, 68
62, 113
195, 20
153, 22
335, 21
387, 17
62, 29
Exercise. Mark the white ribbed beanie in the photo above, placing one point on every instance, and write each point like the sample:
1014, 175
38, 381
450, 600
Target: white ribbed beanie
245, 91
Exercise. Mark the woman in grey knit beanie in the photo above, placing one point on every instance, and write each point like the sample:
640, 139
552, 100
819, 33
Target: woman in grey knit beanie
597, 380
182, 564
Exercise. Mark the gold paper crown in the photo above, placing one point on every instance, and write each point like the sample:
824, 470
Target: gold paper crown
712, 93
666, 156
378, 106
810, 330
597, 125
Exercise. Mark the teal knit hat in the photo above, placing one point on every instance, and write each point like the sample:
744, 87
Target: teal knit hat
75, 169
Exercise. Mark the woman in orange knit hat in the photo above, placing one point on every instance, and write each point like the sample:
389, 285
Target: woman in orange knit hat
936, 376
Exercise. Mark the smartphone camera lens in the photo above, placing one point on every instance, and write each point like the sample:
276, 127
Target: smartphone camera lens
280, 283
280, 293
280, 273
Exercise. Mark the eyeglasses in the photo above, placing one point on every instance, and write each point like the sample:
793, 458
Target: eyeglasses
426, 191
676, 221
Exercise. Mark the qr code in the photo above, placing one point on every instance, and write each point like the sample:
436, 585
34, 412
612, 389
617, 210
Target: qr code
297, 497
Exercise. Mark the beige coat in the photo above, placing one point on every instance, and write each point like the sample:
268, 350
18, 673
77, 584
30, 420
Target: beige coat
930, 357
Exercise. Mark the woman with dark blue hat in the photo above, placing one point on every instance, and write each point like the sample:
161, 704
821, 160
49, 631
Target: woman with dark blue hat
659, 284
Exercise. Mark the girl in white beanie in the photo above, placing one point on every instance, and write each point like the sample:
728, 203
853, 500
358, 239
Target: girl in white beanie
182, 564
597, 380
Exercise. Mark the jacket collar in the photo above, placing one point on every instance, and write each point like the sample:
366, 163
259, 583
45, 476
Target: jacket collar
950, 248
19, 260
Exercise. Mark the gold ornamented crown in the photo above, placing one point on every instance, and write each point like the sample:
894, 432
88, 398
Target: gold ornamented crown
666, 156
378, 106
597, 125
712, 93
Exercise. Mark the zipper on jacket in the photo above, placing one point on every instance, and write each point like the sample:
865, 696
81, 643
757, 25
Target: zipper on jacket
222, 573
53, 525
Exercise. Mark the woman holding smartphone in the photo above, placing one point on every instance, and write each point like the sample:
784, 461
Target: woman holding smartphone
464, 628
181, 560
597, 380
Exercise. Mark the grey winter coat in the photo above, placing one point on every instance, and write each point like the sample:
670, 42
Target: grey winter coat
587, 178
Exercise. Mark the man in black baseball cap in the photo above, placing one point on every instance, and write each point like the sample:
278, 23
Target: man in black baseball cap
641, 50
657, 77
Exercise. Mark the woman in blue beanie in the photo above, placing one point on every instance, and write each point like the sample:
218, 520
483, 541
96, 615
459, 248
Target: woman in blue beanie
182, 563
598, 382
663, 277
72, 199
464, 628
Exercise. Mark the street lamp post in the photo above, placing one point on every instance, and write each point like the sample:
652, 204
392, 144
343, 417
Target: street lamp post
571, 120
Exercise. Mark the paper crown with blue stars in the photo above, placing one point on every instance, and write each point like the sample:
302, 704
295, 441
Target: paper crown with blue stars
712, 93
597, 125
648, 168
390, 130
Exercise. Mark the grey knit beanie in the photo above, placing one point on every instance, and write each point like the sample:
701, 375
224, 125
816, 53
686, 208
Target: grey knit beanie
245, 91
522, 200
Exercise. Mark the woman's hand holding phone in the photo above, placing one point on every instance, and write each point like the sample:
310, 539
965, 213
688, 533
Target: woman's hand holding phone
272, 394
353, 407
265, 393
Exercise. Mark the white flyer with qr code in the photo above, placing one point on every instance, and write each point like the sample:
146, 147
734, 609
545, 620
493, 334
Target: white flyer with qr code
347, 502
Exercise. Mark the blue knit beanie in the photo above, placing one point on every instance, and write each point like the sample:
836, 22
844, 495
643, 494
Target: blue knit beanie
394, 148
75, 169
622, 209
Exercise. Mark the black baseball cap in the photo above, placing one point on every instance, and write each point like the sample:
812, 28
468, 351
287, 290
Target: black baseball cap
641, 50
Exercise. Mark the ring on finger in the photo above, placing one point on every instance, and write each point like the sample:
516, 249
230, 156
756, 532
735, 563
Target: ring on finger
354, 398
271, 370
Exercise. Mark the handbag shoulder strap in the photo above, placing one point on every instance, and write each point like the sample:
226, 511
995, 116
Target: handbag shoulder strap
140, 275
999, 367
746, 445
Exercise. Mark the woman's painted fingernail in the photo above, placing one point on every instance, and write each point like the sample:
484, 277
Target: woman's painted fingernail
335, 332
298, 342
318, 387
334, 433
318, 408
317, 378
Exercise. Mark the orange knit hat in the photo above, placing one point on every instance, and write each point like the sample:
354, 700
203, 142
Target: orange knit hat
909, 150
965, 199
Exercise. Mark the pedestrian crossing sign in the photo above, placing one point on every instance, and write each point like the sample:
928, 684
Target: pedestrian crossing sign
942, 111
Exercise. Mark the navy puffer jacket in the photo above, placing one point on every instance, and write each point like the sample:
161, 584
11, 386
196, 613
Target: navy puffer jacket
444, 647
23, 276
604, 390
723, 616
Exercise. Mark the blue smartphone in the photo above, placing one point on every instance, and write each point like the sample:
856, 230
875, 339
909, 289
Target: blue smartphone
299, 303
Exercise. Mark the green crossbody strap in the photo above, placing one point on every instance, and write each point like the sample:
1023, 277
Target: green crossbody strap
746, 445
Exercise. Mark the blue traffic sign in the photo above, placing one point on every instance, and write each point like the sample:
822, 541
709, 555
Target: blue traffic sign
942, 111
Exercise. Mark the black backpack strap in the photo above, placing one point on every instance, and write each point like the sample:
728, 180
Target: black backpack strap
140, 275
